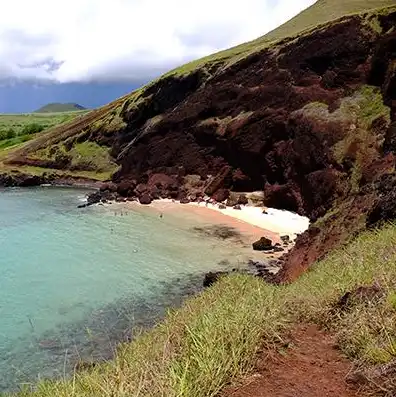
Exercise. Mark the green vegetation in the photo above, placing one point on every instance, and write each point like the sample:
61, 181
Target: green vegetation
366, 108
212, 340
18, 128
60, 108
322, 12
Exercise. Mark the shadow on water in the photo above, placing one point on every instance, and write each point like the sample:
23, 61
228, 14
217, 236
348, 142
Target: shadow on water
55, 353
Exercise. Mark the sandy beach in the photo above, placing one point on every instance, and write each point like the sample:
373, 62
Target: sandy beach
249, 221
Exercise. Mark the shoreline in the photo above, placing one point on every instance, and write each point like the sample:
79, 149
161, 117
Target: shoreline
260, 219
249, 223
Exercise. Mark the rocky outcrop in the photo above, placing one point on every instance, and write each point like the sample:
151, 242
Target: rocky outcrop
23, 180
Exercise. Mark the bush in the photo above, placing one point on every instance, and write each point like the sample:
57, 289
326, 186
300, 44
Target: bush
32, 128
8, 134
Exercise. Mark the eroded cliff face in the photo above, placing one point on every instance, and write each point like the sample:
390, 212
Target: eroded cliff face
312, 122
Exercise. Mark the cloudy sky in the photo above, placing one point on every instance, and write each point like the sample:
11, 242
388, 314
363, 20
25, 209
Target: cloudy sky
115, 40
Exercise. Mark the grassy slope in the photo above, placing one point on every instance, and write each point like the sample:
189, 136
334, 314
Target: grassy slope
87, 153
211, 340
321, 12
60, 107
17, 123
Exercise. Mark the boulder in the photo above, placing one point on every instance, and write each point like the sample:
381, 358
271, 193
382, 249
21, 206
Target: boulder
141, 188
109, 186
264, 244
237, 207
285, 239
94, 198
124, 188
242, 200
221, 195
236, 199
222, 207
185, 200
145, 199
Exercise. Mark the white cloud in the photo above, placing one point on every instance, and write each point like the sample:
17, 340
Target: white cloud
81, 40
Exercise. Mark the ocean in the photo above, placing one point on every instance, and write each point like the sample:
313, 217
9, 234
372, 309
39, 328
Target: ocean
76, 281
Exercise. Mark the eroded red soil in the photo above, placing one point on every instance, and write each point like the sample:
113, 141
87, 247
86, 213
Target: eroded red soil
310, 367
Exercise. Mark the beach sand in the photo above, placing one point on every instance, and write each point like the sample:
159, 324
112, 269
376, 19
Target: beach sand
249, 221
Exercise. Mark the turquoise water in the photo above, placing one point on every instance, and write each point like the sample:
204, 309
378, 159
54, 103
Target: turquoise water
74, 282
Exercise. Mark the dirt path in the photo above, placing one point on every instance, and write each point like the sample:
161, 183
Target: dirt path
311, 367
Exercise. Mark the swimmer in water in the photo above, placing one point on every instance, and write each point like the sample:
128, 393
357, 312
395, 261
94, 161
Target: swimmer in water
161, 215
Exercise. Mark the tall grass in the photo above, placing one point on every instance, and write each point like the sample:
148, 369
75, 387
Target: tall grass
212, 340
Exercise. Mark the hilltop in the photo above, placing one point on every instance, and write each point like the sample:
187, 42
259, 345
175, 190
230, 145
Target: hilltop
60, 107
307, 114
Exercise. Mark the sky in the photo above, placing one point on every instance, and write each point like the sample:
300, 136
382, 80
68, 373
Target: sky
82, 41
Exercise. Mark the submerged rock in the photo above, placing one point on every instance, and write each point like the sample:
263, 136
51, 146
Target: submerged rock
212, 277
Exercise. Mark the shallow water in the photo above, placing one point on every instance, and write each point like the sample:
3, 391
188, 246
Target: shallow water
74, 282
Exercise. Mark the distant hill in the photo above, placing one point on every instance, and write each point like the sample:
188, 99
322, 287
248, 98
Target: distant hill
60, 107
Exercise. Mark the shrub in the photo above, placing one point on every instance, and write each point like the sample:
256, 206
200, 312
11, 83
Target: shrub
32, 128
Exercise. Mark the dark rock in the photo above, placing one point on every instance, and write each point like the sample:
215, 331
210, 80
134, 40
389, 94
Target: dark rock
285, 239
222, 207
145, 199
125, 188
185, 200
141, 188
23, 180
242, 200
94, 198
265, 212
237, 207
279, 249
221, 195
212, 277
111, 187
155, 192
264, 244
361, 295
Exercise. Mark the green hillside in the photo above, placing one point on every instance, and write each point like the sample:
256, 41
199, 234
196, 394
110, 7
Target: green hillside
60, 107
109, 118
18, 128
322, 12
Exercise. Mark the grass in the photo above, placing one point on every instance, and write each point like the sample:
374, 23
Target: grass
91, 156
322, 12
19, 128
213, 338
